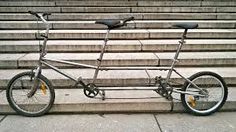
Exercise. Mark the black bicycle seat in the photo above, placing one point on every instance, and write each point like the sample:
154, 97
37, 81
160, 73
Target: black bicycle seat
109, 23
186, 25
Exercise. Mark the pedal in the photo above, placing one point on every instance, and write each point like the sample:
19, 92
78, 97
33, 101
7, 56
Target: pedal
103, 94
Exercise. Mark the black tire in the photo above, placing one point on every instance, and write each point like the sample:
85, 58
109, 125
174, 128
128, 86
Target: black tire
208, 81
16, 86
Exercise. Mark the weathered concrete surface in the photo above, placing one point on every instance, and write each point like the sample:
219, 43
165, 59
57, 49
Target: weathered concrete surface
109, 59
156, 45
121, 34
85, 123
119, 77
9, 60
137, 16
124, 59
191, 45
218, 122
136, 24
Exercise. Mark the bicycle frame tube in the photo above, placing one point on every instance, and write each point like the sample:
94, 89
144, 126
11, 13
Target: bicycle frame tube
99, 60
43, 47
43, 60
186, 79
181, 43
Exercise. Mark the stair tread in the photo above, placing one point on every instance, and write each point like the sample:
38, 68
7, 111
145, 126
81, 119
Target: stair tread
88, 73
120, 56
119, 42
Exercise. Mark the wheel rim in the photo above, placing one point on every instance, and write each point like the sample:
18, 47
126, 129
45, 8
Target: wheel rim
215, 89
35, 104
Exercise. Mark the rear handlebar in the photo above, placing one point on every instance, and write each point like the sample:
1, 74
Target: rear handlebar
128, 19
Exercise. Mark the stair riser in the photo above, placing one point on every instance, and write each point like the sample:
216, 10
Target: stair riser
97, 3
137, 16
144, 34
127, 82
75, 25
118, 9
117, 48
224, 62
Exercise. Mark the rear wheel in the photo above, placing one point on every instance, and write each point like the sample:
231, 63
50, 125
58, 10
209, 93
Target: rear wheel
17, 95
216, 93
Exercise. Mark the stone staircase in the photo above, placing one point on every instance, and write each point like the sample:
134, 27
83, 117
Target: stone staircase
149, 40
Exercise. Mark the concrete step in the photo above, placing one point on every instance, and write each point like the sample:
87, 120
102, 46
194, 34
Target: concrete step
183, 9
137, 24
197, 3
116, 78
118, 9
120, 34
124, 3
123, 59
137, 16
73, 100
164, 45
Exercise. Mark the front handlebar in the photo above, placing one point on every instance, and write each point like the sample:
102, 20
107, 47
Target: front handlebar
40, 15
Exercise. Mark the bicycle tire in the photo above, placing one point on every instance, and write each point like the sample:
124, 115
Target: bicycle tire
190, 102
18, 88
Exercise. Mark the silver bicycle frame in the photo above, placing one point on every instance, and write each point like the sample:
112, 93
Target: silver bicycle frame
44, 61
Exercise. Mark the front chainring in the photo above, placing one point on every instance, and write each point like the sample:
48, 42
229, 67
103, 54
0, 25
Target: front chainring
91, 90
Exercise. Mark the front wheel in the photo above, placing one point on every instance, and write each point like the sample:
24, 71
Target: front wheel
209, 99
36, 105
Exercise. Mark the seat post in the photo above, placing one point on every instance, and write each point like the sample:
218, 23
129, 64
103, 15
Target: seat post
99, 60
181, 43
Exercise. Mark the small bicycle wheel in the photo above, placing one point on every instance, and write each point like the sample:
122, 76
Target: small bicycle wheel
17, 95
215, 90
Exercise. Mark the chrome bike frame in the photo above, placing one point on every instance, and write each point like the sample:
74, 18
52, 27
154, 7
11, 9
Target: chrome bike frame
44, 61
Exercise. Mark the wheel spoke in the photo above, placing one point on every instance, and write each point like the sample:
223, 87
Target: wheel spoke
211, 84
36, 105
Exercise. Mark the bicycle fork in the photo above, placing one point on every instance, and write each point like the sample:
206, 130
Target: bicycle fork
43, 52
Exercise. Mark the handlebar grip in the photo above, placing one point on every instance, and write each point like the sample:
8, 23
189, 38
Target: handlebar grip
128, 19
